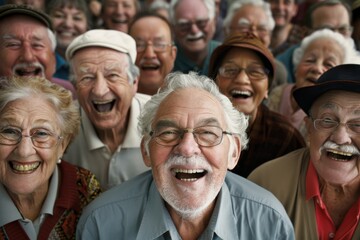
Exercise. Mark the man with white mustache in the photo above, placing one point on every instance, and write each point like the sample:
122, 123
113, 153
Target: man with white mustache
319, 185
191, 136
27, 44
194, 27
103, 70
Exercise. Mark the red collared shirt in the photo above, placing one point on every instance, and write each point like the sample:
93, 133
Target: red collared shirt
325, 225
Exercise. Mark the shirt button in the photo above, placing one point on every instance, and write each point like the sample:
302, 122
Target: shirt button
331, 235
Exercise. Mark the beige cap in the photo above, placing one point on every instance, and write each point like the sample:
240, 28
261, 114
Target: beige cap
112, 39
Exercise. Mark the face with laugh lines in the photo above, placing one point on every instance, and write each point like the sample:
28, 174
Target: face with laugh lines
187, 175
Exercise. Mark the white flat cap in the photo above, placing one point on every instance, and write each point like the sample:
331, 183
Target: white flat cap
112, 39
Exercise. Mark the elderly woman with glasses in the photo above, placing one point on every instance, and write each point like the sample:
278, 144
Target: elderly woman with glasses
243, 68
42, 196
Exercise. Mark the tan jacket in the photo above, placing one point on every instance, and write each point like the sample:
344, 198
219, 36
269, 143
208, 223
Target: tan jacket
285, 178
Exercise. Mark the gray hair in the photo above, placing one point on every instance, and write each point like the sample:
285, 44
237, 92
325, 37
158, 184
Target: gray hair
52, 39
159, 4
236, 121
133, 71
210, 5
236, 5
16, 88
350, 55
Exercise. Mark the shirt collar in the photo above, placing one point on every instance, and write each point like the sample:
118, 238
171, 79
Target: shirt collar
132, 136
9, 211
221, 222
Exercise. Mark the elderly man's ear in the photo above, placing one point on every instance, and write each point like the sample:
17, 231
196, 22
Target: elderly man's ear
235, 155
145, 154
135, 85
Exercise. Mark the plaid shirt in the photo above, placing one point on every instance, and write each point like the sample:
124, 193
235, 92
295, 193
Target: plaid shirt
270, 136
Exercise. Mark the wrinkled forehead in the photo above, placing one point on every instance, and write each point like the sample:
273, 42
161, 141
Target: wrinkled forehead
191, 106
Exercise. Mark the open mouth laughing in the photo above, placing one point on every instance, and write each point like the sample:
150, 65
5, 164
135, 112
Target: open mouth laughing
24, 168
30, 70
340, 156
150, 67
104, 106
189, 175
238, 94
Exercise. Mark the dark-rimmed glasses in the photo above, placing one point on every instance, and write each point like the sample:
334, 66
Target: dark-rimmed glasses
156, 46
253, 72
205, 136
330, 125
40, 138
185, 25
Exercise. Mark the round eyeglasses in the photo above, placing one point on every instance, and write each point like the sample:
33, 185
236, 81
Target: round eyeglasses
329, 125
253, 72
205, 136
156, 46
185, 25
40, 138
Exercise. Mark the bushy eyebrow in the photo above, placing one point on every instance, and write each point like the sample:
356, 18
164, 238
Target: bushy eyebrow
170, 123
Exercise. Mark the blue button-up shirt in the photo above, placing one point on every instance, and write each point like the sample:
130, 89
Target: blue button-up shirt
136, 210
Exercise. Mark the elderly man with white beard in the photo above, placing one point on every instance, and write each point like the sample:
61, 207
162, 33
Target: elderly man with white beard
191, 136
319, 185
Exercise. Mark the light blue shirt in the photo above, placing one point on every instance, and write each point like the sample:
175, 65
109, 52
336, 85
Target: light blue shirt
135, 210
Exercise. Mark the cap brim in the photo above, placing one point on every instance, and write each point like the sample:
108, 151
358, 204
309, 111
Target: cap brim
306, 96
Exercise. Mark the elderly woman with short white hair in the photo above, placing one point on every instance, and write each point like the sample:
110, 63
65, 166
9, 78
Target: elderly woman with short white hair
317, 53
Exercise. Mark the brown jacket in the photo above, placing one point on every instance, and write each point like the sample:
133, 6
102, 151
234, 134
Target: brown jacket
285, 177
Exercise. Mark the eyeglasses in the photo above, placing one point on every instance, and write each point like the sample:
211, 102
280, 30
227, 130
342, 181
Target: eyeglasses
329, 125
261, 30
205, 136
185, 25
253, 72
157, 46
40, 138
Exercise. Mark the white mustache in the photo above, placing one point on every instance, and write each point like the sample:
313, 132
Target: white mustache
348, 148
195, 36
144, 61
194, 161
28, 65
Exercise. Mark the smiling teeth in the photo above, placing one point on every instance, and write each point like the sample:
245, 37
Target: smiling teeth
340, 153
246, 93
102, 102
25, 167
191, 171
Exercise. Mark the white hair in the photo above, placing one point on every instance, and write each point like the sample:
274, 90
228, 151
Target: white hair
52, 38
210, 5
236, 5
159, 4
350, 54
236, 121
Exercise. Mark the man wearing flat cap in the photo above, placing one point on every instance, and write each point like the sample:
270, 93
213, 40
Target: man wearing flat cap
243, 68
319, 185
106, 78
27, 44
